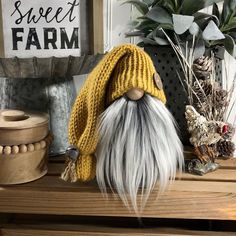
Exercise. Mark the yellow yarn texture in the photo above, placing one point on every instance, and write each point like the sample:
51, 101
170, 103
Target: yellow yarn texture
125, 67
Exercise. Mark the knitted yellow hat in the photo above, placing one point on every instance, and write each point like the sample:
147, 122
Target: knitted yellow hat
122, 69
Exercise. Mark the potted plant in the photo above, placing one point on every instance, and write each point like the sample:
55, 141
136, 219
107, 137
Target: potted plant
185, 24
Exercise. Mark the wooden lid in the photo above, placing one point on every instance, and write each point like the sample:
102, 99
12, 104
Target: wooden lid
15, 119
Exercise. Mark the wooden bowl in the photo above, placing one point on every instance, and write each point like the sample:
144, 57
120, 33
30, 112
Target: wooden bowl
18, 127
23, 167
24, 144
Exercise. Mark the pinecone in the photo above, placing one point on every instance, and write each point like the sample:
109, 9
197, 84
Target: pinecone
202, 67
225, 148
202, 89
212, 97
202, 108
220, 96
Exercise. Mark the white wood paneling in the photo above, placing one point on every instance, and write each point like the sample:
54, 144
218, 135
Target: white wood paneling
228, 75
117, 17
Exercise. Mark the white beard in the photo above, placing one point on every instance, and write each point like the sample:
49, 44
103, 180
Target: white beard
138, 148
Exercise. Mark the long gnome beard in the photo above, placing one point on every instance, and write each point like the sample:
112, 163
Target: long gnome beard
138, 148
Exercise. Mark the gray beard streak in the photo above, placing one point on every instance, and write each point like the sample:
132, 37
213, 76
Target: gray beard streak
138, 148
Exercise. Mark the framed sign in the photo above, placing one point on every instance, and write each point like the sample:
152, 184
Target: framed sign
46, 28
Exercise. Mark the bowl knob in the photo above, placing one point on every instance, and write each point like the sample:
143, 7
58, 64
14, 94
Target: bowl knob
14, 115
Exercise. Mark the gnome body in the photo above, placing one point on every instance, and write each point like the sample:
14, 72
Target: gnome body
122, 131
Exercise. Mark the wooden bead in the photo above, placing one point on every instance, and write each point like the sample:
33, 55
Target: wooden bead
30, 147
1, 149
7, 150
37, 146
43, 144
23, 148
15, 149
135, 94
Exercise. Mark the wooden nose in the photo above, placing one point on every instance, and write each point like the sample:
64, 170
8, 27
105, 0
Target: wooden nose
135, 94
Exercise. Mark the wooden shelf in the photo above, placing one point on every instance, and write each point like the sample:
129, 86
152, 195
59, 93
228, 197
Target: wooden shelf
209, 197
67, 230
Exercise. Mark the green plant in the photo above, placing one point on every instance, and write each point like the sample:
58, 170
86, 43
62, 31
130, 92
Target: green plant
184, 20
227, 24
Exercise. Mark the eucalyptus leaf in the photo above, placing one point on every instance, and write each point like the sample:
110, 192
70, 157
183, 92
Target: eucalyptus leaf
146, 24
155, 2
182, 23
212, 32
141, 6
149, 41
215, 10
160, 37
165, 26
233, 35
229, 44
141, 44
160, 15
134, 34
161, 41
202, 19
148, 2
189, 7
194, 29
133, 24
169, 5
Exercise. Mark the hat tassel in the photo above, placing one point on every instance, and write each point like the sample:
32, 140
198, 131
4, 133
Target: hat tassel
70, 172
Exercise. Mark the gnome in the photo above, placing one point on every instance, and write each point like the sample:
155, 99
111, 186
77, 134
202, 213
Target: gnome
120, 130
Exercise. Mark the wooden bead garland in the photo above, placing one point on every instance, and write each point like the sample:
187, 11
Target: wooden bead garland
43, 144
8, 150
37, 146
22, 148
15, 149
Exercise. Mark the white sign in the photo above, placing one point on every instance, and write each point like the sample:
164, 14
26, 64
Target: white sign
41, 28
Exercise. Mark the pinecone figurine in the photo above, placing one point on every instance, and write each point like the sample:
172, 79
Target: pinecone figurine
225, 148
202, 67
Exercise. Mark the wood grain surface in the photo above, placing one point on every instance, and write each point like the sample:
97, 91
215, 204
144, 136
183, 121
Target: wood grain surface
98, 39
212, 196
199, 199
23, 167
